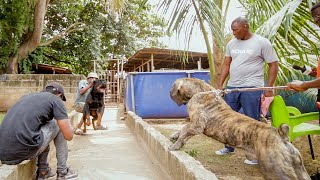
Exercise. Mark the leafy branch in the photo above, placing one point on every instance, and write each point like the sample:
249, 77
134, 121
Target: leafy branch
73, 27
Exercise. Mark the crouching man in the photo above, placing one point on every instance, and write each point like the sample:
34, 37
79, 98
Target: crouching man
31, 124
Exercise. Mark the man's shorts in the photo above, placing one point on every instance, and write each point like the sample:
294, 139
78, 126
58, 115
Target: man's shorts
79, 107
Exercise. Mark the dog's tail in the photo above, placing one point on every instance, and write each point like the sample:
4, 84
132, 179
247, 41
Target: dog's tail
283, 131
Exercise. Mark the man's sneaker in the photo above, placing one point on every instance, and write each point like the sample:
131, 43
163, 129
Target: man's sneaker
251, 162
224, 151
47, 176
69, 175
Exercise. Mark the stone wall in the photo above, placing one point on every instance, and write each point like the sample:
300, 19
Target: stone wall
13, 86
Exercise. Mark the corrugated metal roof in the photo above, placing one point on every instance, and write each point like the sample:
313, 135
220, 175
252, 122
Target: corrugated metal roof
167, 59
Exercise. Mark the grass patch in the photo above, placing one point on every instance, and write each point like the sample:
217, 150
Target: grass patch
192, 153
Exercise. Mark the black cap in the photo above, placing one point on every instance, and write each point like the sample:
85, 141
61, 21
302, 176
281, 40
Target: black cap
57, 87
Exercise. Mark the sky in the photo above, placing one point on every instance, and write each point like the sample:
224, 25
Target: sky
197, 42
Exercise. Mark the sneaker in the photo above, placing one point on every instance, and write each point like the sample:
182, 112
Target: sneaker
47, 176
69, 175
251, 162
224, 151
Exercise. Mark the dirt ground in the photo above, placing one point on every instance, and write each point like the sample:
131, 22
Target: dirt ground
231, 166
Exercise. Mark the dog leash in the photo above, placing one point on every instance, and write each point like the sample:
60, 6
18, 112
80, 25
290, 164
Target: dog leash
227, 91
219, 93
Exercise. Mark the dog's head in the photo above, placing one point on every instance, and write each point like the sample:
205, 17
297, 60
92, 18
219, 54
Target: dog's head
100, 86
184, 88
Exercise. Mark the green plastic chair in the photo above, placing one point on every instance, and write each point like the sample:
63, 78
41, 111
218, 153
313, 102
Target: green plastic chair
280, 113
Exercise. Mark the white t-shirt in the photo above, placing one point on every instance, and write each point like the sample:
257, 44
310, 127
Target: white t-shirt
248, 56
82, 98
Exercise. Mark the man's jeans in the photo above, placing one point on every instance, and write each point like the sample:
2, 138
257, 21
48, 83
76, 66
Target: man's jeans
51, 131
248, 101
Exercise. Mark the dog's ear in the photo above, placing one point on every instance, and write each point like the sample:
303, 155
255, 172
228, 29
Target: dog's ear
283, 131
175, 92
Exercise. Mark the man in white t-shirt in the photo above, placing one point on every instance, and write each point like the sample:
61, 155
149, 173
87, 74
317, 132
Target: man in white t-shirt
244, 62
83, 90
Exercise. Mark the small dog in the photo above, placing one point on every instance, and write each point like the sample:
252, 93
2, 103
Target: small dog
209, 114
94, 104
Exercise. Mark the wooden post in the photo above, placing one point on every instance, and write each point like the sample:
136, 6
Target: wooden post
199, 64
152, 63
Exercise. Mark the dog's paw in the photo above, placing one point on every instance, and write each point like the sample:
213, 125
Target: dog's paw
78, 132
173, 147
173, 140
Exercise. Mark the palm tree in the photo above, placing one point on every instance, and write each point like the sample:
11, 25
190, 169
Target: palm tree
285, 23
206, 15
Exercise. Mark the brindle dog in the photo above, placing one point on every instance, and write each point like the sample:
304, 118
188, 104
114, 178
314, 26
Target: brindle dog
209, 114
94, 105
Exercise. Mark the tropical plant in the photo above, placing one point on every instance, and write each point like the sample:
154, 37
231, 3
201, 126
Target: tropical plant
289, 25
208, 15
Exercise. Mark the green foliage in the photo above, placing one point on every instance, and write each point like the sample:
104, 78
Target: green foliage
104, 34
192, 152
16, 20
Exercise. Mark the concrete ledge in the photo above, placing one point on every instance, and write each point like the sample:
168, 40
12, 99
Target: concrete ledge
177, 164
24, 171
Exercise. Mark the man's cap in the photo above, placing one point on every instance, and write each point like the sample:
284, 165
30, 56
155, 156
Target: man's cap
57, 87
92, 75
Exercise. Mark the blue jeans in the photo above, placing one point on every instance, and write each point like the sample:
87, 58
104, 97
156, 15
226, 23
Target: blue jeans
248, 102
51, 132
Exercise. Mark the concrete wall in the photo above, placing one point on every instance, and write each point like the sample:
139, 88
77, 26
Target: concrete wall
13, 86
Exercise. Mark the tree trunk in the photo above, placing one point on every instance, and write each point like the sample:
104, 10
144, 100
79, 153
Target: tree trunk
30, 42
218, 62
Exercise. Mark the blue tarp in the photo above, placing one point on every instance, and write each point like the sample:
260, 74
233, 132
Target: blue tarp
152, 93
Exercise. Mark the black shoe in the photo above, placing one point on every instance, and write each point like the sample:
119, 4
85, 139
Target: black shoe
47, 176
69, 175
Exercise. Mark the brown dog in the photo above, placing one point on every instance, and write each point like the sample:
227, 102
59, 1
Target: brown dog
210, 115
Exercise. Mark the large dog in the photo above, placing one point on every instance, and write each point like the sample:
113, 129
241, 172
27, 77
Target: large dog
209, 114
94, 104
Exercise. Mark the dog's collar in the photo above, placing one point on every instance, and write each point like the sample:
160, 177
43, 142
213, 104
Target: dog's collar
219, 93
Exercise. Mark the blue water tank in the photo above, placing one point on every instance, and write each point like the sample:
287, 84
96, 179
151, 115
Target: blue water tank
148, 93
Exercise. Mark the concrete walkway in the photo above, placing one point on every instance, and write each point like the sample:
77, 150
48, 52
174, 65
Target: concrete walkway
113, 154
